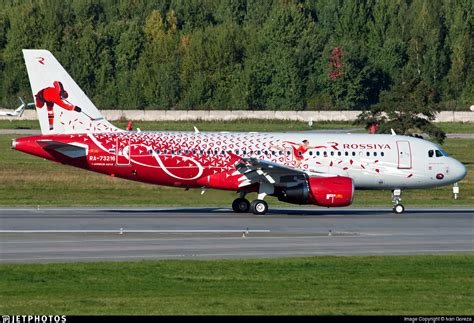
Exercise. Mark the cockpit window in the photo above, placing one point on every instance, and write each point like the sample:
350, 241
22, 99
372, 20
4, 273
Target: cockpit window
443, 152
430, 153
438, 153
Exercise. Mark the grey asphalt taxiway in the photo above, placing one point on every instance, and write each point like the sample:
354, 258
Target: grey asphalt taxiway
118, 234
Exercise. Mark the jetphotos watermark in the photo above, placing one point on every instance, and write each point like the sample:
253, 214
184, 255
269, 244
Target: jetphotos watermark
33, 319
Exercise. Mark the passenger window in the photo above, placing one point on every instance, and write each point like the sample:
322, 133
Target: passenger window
158, 151
332, 153
382, 154
223, 152
346, 153
288, 153
310, 153
317, 153
368, 154
299, 153
353, 153
430, 153
325, 153
339, 153
438, 154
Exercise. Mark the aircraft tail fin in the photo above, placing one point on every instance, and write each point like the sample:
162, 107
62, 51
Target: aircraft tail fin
61, 105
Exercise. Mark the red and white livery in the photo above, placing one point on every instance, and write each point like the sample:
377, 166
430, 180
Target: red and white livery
299, 168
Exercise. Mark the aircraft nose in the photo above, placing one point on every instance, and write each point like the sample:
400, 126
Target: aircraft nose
459, 171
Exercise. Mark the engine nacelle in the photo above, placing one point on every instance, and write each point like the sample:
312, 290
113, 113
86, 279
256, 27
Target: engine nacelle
323, 191
331, 191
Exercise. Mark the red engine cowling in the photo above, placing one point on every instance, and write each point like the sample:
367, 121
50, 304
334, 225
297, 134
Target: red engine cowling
331, 191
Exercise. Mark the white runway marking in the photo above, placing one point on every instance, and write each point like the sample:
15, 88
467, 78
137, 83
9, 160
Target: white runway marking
134, 231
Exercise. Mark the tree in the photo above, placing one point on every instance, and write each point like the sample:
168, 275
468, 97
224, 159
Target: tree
408, 108
158, 69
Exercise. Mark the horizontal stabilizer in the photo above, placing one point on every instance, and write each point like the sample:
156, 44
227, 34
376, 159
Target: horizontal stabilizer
75, 150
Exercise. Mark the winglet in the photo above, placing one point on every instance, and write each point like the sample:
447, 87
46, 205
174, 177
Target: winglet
393, 132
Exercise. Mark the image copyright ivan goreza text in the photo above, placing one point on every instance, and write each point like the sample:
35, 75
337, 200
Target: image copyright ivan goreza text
434, 319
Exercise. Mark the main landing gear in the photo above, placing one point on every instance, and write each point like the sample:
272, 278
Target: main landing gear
396, 200
257, 207
241, 205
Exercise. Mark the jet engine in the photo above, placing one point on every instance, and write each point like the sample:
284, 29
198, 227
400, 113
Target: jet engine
322, 191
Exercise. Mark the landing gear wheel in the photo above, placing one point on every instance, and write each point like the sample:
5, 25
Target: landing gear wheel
240, 205
259, 207
399, 209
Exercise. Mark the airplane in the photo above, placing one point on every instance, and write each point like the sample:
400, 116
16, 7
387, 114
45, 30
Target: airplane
19, 111
300, 168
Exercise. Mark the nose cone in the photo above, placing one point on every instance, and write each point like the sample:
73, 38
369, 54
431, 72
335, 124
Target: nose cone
459, 171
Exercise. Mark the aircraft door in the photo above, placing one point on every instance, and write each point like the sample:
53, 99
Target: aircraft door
404, 154
122, 151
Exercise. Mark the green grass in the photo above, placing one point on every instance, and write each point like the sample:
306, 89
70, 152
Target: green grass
31, 181
241, 125
456, 127
403, 285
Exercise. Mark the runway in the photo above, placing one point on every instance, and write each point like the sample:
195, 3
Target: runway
122, 234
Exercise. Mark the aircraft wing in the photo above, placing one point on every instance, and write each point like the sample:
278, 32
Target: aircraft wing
255, 170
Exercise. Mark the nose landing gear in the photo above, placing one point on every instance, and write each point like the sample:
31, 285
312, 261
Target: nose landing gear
398, 208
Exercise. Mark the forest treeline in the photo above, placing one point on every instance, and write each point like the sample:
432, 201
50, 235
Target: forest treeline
248, 54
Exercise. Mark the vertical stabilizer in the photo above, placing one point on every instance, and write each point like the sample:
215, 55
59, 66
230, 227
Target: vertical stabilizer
61, 105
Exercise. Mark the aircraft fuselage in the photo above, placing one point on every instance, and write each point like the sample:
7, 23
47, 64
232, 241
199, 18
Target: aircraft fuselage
207, 159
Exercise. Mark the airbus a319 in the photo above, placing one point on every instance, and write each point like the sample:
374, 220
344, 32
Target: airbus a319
298, 168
